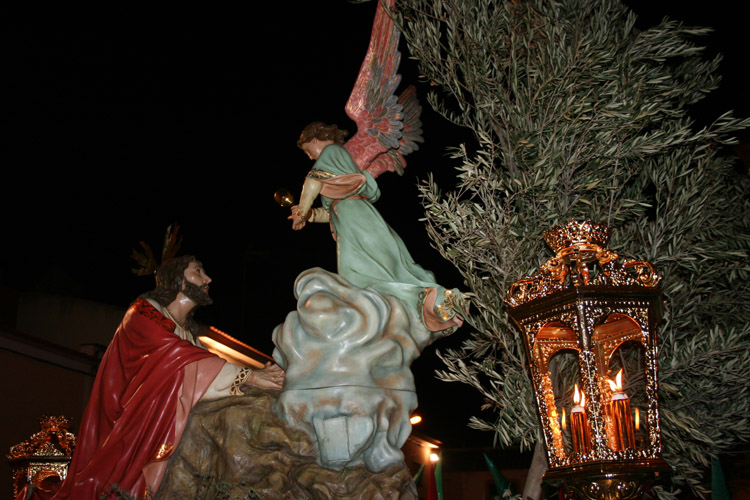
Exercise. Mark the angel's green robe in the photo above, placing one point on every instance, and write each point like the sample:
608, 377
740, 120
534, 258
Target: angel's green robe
369, 252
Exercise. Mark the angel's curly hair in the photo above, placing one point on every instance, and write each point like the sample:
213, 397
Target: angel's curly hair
322, 132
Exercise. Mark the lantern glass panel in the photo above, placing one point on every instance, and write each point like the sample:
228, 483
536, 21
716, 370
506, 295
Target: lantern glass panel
630, 357
565, 373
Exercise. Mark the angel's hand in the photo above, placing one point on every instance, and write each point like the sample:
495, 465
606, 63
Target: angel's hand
297, 221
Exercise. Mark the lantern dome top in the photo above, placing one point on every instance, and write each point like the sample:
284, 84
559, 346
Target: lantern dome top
53, 440
576, 234
577, 245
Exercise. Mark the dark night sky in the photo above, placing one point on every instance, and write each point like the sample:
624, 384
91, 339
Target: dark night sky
124, 122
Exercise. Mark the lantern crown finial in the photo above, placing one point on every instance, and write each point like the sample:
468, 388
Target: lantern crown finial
53, 439
576, 234
577, 245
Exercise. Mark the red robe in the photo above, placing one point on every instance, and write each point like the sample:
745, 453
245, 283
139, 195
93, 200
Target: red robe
147, 382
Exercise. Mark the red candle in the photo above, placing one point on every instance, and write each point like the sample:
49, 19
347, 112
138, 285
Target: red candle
622, 422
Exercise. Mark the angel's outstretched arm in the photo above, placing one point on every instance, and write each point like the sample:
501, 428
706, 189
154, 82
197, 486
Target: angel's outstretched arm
303, 212
310, 191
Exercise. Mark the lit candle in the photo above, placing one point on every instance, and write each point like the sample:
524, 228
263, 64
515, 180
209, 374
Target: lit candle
562, 420
637, 420
621, 419
640, 440
579, 427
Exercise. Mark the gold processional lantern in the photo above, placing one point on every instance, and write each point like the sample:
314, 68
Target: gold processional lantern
43, 459
589, 319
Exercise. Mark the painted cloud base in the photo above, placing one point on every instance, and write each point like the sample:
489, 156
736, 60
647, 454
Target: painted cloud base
347, 353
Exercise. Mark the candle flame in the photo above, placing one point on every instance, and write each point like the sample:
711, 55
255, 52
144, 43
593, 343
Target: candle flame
578, 397
637, 419
616, 386
563, 424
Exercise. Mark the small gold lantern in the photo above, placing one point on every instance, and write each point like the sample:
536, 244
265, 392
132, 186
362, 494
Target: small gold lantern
592, 312
43, 459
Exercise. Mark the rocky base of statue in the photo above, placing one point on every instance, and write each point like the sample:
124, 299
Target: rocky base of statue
237, 448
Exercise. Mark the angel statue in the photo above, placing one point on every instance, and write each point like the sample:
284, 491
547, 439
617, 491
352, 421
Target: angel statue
370, 253
347, 347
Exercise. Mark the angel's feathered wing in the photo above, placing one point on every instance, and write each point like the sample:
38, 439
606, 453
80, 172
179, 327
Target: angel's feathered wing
388, 127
